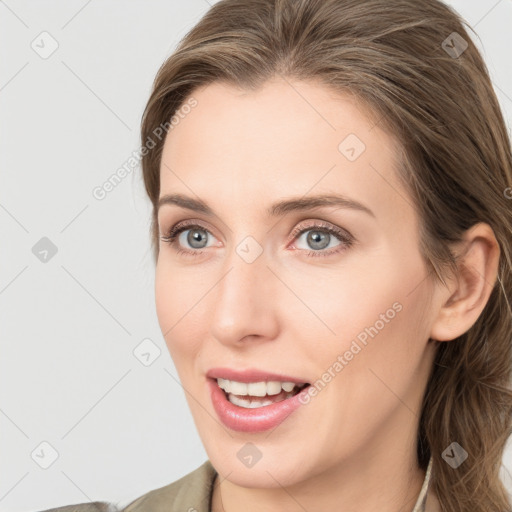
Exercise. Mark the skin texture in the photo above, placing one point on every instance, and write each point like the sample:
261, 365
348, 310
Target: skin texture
355, 442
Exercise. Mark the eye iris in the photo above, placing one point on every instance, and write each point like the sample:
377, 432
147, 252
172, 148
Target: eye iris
316, 237
195, 236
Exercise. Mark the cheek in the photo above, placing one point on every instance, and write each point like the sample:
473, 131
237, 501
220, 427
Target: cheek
380, 331
388, 331
376, 311
166, 295
178, 308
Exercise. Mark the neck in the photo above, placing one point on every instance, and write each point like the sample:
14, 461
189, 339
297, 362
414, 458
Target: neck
363, 486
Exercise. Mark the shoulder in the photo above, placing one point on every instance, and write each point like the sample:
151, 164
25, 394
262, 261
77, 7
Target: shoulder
94, 506
192, 491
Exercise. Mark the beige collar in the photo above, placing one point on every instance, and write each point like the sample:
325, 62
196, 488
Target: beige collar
427, 500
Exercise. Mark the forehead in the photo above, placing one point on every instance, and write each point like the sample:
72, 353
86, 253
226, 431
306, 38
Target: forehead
286, 138
290, 109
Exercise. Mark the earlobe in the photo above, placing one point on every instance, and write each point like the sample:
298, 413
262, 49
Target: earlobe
466, 295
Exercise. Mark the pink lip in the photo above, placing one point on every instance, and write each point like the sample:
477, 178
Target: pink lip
251, 376
253, 420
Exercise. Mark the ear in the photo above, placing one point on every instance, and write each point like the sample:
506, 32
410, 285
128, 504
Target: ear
468, 292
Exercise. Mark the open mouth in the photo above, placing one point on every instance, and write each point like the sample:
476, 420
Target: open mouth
274, 393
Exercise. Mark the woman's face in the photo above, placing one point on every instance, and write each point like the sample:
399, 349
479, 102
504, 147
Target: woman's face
333, 294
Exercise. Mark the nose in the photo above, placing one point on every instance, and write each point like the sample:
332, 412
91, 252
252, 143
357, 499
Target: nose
245, 304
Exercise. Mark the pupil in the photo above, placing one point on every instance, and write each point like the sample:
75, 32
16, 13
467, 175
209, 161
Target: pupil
315, 238
195, 237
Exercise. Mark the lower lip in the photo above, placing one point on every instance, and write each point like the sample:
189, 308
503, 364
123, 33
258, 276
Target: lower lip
252, 420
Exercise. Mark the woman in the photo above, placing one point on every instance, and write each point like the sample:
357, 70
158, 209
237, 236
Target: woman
331, 229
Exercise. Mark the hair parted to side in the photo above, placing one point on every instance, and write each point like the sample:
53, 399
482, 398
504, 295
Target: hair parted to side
455, 159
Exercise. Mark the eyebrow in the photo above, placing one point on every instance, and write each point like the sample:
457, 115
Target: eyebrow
277, 209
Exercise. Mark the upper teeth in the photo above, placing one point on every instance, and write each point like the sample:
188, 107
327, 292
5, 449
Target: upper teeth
255, 388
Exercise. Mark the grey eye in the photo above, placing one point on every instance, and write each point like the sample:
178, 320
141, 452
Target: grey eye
318, 239
196, 237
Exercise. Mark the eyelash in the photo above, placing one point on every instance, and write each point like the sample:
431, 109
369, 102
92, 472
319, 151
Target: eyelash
343, 236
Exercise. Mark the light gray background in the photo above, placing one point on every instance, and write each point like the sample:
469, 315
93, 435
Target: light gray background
69, 326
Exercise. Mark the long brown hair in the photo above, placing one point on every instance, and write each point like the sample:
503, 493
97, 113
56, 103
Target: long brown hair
418, 71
